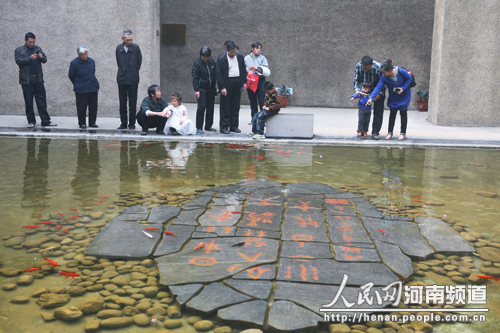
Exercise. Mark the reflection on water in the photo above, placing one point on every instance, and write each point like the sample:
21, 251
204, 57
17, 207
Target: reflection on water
63, 174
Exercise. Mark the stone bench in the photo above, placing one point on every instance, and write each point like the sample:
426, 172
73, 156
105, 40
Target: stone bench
290, 126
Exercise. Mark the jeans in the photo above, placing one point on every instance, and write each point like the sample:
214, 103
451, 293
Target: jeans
363, 119
128, 91
259, 94
378, 115
392, 120
205, 102
259, 121
230, 105
82, 101
35, 89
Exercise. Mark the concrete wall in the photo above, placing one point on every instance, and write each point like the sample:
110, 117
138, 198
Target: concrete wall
60, 26
311, 46
463, 89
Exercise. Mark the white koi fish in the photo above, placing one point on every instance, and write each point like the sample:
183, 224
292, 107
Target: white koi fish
149, 235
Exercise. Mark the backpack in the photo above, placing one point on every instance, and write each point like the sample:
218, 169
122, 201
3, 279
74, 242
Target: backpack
413, 82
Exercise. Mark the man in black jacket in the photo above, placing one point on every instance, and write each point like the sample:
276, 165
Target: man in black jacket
30, 58
231, 78
129, 61
204, 89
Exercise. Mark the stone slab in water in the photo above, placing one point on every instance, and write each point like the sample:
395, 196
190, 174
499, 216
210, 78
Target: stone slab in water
252, 232
261, 272
262, 217
225, 202
115, 241
339, 210
441, 236
213, 297
347, 230
221, 216
202, 234
255, 288
170, 244
342, 195
161, 214
208, 193
273, 191
252, 313
304, 226
231, 197
135, 210
188, 217
305, 196
404, 234
300, 202
305, 250
395, 259
131, 217
311, 188
369, 210
287, 316
198, 202
325, 271
185, 293
350, 253
398, 218
257, 198
218, 260
219, 231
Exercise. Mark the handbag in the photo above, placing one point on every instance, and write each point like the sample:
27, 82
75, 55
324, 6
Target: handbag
252, 80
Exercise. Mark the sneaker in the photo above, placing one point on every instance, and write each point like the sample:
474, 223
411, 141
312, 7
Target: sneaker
131, 127
49, 124
160, 132
143, 132
83, 126
122, 126
199, 131
251, 134
31, 125
211, 129
258, 136
389, 136
402, 136
375, 136
94, 126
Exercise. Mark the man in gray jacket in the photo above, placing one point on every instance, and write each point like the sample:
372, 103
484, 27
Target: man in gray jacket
129, 61
30, 58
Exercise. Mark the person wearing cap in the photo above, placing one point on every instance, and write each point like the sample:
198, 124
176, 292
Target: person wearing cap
153, 112
257, 62
85, 85
203, 73
30, 58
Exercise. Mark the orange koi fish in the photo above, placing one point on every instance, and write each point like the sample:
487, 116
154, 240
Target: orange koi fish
51, 262
48, 222
60, 213
101, 201
103, 197
69, 274
151, 228
487, 277
414, 195
419, 201
72, 217
237, 212
273, 175
199, 246
169, 233
74, 209
258, 156
66, 230
57, 227
30, 226
382, 231
31, 269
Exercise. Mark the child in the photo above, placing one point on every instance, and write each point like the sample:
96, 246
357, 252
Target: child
178, 123
364, 111
272, 106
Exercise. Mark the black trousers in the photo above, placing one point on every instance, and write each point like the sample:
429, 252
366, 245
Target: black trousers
378, 115
151, 122
205, 102
35, 89
82, 102
257, 98
230, 105
392, 120
128, 91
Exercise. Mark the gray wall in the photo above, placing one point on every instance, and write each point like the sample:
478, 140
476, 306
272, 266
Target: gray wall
311, 46
60, 26
464, 64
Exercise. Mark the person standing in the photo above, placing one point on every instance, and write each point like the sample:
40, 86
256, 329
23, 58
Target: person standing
257, 62
204, 89
30, 58
231, 79
85, 85
129, 61
368, 70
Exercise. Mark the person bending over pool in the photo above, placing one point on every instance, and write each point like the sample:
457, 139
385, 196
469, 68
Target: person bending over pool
154, 111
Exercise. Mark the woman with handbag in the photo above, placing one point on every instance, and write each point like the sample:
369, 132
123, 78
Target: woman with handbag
257, 68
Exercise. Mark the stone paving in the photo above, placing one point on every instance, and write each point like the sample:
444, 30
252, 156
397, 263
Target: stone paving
270, 255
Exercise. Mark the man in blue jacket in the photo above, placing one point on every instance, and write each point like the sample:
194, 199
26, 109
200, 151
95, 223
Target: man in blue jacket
204, 89
30, 58
231, 78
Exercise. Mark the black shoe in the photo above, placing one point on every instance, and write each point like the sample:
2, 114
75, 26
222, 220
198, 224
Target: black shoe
210, 129
143, 132
83, 126
49, 124
236, 130
224, 131
122, 127
199, 131
160, 132
173, 131
131, 127
31, 125
94, 126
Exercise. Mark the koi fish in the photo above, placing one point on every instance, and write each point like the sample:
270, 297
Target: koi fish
151, 228
239, 244
237, 212
273, 175
69, 274
48, 222
101, 201
258, 156
56, 227
486, 277
60, 213
419, 201
149, 235
103, 197
66, 230
414, 195
30, 226
169, 233
51, 262
382, 231
72, 217
31, 269
199, 246
74, 209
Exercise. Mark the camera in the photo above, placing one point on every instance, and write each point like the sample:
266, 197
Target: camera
37, 52
397, 89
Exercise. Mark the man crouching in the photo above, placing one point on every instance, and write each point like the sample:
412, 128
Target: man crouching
153, 112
